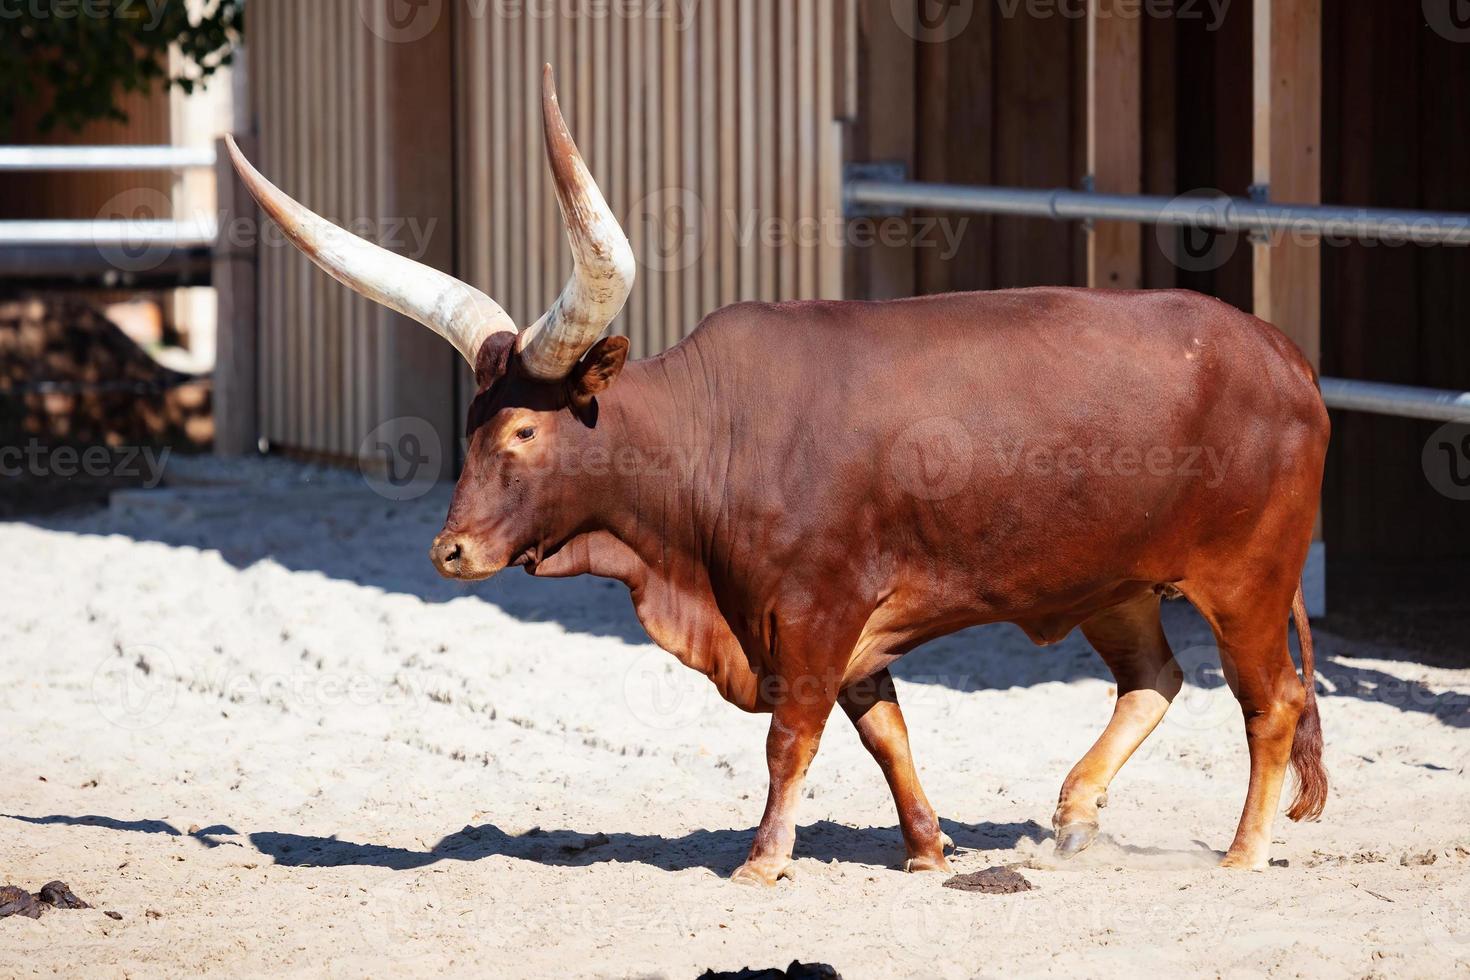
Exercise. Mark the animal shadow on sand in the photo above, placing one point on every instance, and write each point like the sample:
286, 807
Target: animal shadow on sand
720, 851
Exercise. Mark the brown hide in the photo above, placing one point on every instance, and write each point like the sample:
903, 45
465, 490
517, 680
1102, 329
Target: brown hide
813, 489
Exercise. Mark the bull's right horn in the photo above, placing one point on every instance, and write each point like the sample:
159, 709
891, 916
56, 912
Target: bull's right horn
453, 309
602, 259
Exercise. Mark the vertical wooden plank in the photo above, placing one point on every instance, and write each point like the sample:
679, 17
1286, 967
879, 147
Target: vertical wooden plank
638, 185
619, 124
670, 326
1115, 136
555, 30
766, 149
829, 156
745, 163
713, 162
806, 152
687, 40
654, 182
236, 382
1160, 142
701, 172
368, 322
722, 231
885, 131
789, 121
298, 362
1287, 140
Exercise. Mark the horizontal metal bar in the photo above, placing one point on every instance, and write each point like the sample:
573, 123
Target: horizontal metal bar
83, 158
124, 234
1220, 213
1404, 401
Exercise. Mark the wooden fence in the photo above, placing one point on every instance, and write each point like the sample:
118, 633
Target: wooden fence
714, 128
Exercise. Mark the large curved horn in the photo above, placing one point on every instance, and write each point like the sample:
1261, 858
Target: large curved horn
604, 268
455, 310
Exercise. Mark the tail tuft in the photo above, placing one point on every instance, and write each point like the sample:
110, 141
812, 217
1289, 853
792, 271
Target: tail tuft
1306, 748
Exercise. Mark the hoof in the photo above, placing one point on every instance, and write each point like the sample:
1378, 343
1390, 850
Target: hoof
946, 843
940, 863
1243, 862
762, 876
1075, 838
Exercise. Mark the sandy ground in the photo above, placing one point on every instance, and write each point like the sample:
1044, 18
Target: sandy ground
246, 714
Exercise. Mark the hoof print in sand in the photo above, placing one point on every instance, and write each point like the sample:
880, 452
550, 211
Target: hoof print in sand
991, 881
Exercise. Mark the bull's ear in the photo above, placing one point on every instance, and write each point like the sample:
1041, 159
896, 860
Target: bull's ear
597, 371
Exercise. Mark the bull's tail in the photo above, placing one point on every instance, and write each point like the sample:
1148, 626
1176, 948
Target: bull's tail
1306, 749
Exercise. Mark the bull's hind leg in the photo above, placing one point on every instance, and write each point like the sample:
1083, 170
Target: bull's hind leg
1130, 638
1250, 628
872, 706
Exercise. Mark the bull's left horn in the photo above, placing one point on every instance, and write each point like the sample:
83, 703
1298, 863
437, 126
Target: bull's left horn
455, 310
604, 269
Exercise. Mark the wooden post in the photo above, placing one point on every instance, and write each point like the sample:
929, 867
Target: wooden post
1288, 164
236, 412
1114, 136
884, 132
1288, 167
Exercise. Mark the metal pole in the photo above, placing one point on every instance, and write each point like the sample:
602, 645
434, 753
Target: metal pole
128, 233
1220, 213
1400, 400
90, 158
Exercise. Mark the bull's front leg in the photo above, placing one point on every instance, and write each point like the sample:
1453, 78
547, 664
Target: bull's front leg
872, 706
796, 729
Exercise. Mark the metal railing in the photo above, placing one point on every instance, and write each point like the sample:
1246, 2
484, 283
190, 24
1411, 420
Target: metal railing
1218, 213
18, 159
114, 252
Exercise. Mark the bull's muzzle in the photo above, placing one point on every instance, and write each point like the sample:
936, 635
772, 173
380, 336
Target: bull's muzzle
457, 557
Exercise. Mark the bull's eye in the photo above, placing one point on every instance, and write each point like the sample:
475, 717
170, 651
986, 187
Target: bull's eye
526, 434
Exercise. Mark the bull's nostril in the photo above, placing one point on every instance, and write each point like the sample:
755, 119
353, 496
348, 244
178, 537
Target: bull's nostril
454, 555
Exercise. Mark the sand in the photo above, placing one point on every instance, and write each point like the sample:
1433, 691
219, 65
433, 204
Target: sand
244, 712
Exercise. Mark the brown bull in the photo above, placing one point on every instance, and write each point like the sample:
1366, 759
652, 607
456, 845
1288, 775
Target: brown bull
799, 494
